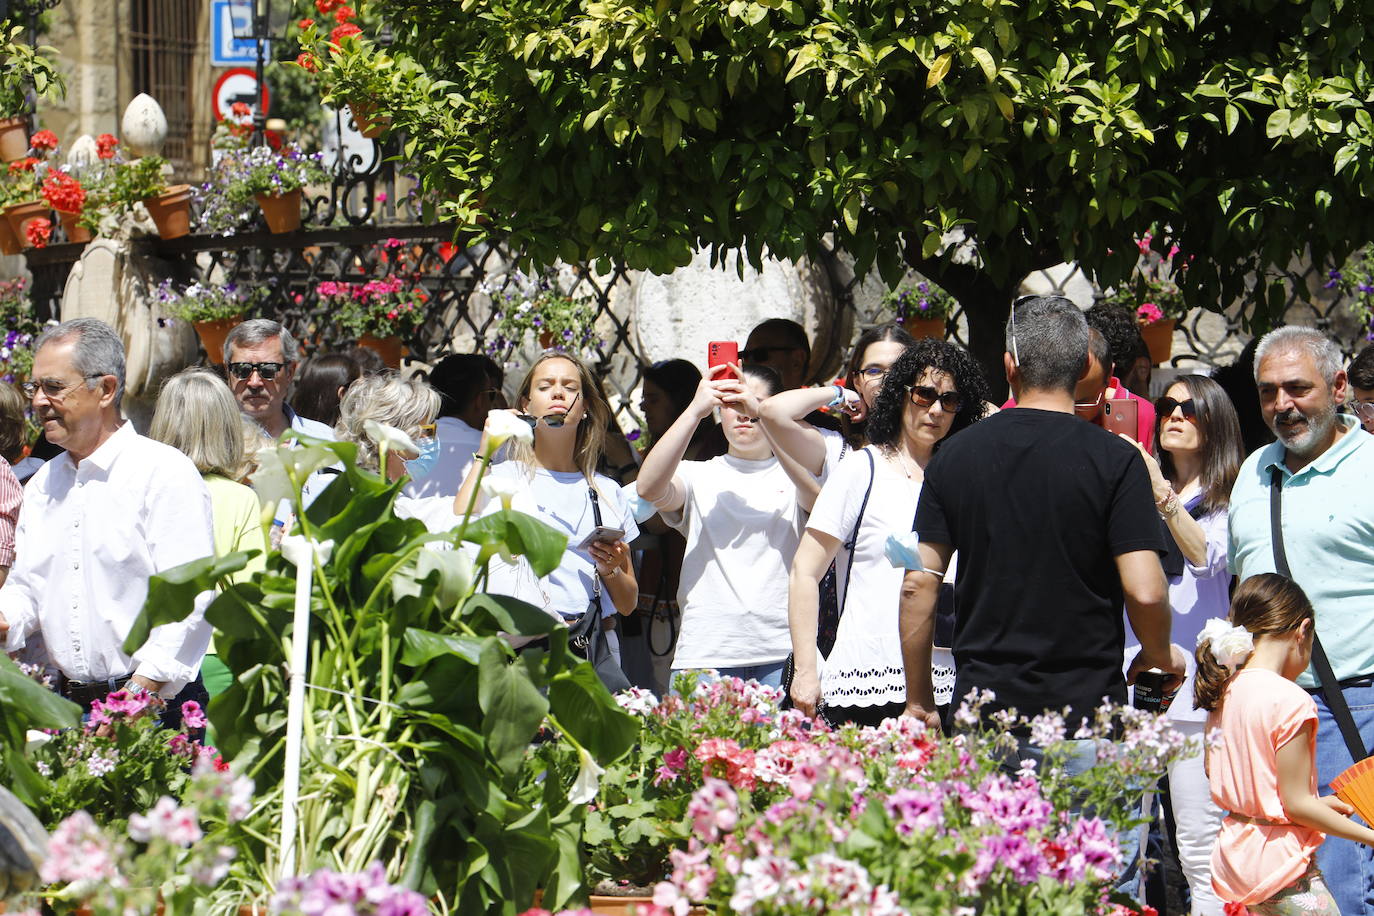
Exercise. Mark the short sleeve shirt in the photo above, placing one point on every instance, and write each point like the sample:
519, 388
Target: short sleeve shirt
1038, 505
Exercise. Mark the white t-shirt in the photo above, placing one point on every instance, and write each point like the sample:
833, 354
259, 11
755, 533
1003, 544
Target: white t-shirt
457, 442
865, 666
561, 499
742, 525
836, 449
435, 511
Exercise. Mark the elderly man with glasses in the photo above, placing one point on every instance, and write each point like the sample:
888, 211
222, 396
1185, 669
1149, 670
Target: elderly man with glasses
262, 357
114, 509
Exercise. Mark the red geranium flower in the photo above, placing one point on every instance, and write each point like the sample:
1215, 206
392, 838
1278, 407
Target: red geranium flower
38, 231
327, 6
63, 192
105, 146
23, 165
306, 23
43, 140
240, 110
342, 32
306, 61
344, 14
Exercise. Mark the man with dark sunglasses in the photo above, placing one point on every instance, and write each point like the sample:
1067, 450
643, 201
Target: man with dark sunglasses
261, 357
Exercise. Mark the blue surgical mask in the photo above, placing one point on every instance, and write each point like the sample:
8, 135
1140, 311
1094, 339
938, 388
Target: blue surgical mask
640, 508
422, 465
902, 552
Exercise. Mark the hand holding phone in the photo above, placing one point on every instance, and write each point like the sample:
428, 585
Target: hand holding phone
721, 353
1121, 416
601, 535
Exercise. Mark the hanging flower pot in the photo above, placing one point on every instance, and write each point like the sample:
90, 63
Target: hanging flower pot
390, 349
1159, 337
75, 232
9, 242
20, 215
212, 335
171, 210
282, 211
365, 118
546, 340
923, 328
14, 139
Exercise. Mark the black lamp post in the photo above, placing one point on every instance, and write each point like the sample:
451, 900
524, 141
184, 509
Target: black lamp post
263, 26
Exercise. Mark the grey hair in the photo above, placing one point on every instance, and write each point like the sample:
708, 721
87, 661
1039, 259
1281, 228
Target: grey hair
97, 350
254, 331
197, 414
406, 404
1048, 338
1325, 354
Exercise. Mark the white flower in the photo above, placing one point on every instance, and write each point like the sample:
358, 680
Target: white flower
1231, 646
502, 488
503, 425
298, 549
588, 781
390, 436
34, 739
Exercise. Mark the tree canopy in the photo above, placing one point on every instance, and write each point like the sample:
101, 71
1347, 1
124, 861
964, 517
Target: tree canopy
1052, 130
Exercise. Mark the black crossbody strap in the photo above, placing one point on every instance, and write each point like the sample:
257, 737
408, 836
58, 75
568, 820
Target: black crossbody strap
854, 535
596, 519
1331, 688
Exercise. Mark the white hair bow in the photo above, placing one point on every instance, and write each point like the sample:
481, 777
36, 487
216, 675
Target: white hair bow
1231, 646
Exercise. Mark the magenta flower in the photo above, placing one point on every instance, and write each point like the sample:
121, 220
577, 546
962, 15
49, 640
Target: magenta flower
192, 715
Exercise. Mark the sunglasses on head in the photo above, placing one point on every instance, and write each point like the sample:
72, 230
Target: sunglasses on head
924, 396
265, 371
1165, 407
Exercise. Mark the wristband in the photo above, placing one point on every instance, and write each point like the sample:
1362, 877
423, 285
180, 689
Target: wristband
838, 399
1168, 506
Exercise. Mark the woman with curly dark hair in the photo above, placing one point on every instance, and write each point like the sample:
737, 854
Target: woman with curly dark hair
933, 390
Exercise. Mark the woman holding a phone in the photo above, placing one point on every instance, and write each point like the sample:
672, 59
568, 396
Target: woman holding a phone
739, 515
933, 390
556, 481
1198, 441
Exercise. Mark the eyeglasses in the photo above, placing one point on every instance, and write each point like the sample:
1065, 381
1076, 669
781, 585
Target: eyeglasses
924, 396
1364, 410
265, 371
1091, 405
760, 354
873, 373
1165, 407
53, 389
427, 431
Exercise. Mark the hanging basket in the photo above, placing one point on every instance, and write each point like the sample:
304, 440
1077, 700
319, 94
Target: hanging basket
171, 210
14, 139
925, 328
9, 242
282, 211
74, 231
1159, 337
212, 335
20, 215
390, 349
365, 118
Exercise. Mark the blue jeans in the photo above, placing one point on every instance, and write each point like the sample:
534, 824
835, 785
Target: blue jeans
769, 675
1348, 867
1076, 758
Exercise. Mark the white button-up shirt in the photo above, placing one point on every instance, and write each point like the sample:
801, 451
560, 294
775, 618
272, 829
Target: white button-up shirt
89, 537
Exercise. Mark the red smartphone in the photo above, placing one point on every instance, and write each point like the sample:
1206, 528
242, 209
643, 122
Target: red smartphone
1121, 415
721, 353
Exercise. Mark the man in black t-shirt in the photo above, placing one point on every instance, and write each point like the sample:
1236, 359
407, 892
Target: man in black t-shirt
1055, 527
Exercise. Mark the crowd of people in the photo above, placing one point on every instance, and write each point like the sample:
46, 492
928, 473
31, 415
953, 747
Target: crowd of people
884, 545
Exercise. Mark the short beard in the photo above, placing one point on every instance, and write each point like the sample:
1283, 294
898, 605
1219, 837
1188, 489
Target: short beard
1319, 427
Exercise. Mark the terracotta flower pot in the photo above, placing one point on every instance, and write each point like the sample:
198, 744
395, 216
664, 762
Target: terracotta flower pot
546, 341
9, 242
366, 120
14, 139
389, 349
282, 211
75, 232
1159, 337
20, 215
171, 210
922, 328
212, 334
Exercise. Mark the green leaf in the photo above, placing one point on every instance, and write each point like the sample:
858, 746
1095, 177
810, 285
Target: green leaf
422, 645
512, 708
509, 615
1277, 124
521, 534
939, 69
587, 710
172, 593
986, 62
33, 704
1232, 118
851, 213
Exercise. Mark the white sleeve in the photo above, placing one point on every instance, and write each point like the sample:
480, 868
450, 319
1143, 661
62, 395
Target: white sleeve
685, 475
1214, 526
836, 509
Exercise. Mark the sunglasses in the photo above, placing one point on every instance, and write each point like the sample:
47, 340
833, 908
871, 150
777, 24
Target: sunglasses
265, 371
553, 420
924, 396
1165, 407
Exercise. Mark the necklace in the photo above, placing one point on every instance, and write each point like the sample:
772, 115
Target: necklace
910, 472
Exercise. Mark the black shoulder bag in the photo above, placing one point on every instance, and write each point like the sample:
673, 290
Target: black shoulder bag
586, 638
789, 667
1330, 687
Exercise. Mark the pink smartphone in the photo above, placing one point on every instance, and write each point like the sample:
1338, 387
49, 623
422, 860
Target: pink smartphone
721, 353
1121, 415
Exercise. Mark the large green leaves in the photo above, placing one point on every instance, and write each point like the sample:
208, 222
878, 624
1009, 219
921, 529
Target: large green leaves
26, 704
520, 534
172, 594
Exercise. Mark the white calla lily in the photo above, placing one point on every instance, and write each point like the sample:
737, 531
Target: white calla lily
390, 437
588, 781
502, 488
503, 425
297, 548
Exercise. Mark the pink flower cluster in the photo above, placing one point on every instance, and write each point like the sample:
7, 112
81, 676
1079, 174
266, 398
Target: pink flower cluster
724, 757
714, 810
824, 883
179, 826
364, 894
120, 705
79, 853
1149, 313
370, 291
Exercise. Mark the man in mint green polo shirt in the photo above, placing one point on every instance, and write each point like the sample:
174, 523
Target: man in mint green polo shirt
1328, 536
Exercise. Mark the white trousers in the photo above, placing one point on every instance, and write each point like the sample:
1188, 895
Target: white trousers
1197, 819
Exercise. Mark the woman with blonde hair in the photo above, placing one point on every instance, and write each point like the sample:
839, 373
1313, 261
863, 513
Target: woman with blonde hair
554, 478
197, 414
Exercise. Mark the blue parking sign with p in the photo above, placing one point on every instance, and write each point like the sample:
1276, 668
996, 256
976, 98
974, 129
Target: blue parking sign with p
228, 17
